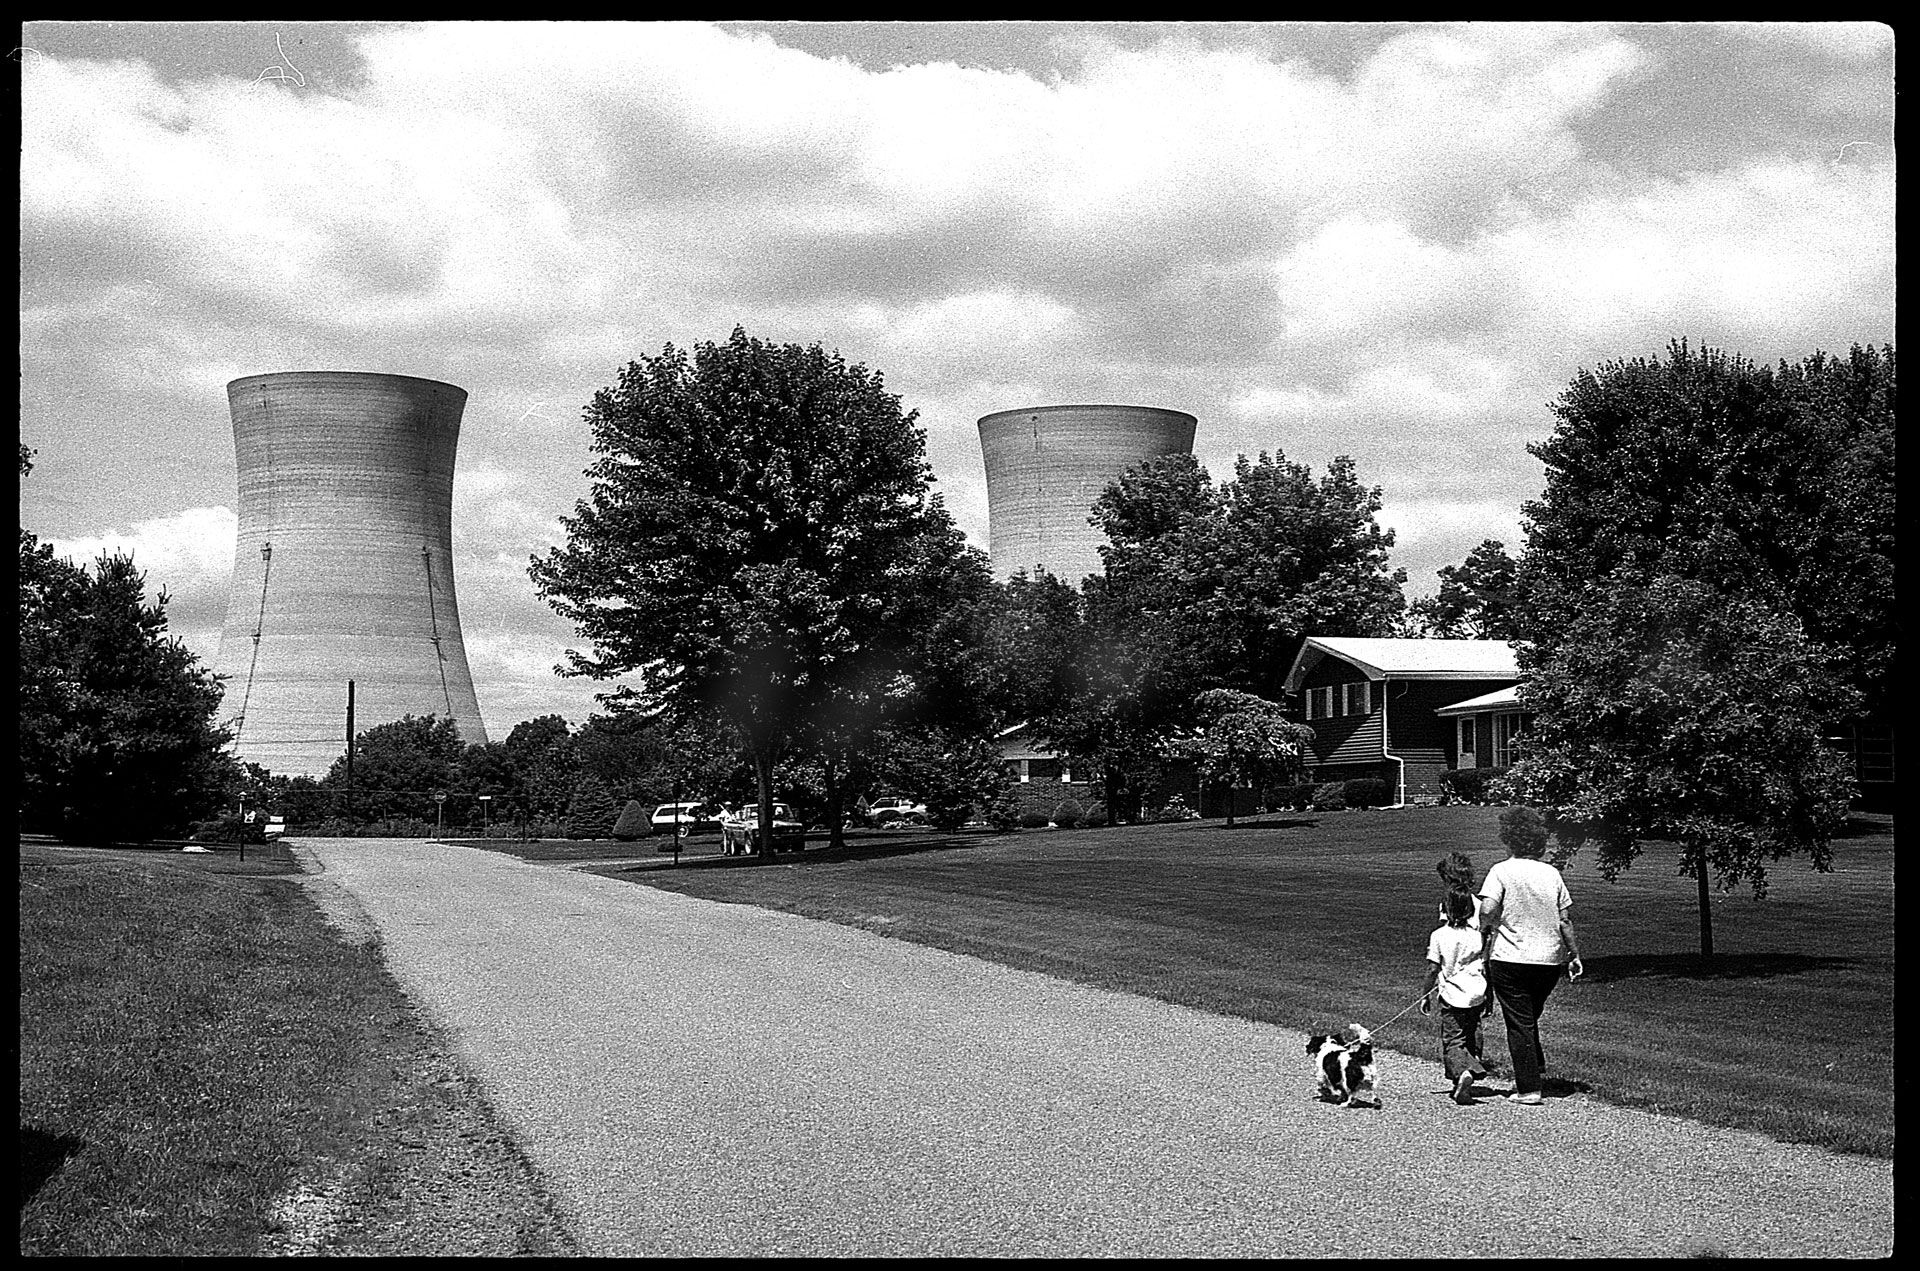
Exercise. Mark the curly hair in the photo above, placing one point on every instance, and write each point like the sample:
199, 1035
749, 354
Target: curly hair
1523, 831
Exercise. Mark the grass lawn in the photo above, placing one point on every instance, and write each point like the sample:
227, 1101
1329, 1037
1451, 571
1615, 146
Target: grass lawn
1308, 920
194, 1040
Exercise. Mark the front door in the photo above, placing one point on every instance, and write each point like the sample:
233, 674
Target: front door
1467, 759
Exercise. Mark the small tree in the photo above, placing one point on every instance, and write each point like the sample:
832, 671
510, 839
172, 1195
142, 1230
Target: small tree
591, 810
1670, 710
400, 765
632, 823
1242, 739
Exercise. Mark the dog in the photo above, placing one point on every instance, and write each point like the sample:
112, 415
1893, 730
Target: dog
1344, 1064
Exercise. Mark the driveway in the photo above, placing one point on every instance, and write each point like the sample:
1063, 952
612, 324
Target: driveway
699, 1078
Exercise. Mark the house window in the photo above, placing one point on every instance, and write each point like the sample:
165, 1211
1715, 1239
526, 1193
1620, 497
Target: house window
1358, 698
1020, 772
1506, 740
1326, 702
1066, 771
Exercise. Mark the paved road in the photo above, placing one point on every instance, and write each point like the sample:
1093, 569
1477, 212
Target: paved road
702, 1078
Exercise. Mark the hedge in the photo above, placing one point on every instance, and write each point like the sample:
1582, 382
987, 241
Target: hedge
1367, 792
1468, 785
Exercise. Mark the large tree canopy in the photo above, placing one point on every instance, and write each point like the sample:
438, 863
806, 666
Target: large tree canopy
757, 513
1706, 591
1773, 483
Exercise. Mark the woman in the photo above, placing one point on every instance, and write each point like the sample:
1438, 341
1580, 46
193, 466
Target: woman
1523, 913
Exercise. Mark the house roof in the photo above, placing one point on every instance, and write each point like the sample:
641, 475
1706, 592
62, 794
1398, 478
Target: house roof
1500, 699
1408, 659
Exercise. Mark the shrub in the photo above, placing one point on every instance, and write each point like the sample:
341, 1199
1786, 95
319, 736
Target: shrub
1068, 814
633, 823
1469, 785
1367, 792
1033, 820
1003, 812
1330, 797
1096, 816
1176, 809
1292, 797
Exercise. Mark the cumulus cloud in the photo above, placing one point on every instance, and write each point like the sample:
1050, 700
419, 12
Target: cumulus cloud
1400, 253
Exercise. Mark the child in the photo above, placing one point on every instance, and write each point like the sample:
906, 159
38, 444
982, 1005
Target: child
1456, 963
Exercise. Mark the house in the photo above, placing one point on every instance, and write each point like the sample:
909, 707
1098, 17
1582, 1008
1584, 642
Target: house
1405, 710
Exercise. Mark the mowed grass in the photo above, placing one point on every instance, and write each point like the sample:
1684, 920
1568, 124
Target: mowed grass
1311, 920
193, 1040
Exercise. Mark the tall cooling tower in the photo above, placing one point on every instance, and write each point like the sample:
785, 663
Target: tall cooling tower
1048, 465
343, 568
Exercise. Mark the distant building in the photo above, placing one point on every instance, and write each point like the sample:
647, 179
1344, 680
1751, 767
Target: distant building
1406, 710
1046, 468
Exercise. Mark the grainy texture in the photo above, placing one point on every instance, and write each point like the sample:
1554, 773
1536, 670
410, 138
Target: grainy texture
348, 477
699, 1078
434, 1173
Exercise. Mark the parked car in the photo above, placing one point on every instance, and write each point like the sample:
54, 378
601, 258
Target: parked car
687, 818
893, 810
740, 830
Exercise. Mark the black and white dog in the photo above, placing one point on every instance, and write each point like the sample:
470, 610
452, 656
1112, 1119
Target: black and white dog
1344, 1065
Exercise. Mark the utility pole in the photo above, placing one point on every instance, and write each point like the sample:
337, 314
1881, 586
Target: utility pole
349, 753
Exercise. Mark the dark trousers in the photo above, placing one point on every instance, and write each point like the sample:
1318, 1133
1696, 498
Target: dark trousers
1522, 989
1460, 1039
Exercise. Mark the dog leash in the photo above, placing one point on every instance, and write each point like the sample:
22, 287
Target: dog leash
1416, 1001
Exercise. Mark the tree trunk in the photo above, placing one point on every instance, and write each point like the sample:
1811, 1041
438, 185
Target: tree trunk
763, 785
1706, 906
835, 839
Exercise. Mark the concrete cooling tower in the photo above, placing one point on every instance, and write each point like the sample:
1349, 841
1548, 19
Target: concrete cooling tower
343, 568
1046, 467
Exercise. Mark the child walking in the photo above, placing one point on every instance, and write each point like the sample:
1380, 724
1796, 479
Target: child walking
1456, 964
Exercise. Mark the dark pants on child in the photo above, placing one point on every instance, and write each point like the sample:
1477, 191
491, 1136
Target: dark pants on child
1522, 989
1460, 1039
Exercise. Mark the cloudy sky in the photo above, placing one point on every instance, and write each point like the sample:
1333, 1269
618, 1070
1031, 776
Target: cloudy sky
1396, 242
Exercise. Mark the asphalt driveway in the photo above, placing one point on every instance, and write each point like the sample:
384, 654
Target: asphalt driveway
698, 1078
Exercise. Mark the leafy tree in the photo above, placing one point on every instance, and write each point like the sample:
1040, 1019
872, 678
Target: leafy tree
953, 773
1772, 483
1671, 710
590, 810
117, 736
1705, 593
1031, 634
544, 765
1476, 597
1244, 740
1216, 587
399, 766
752, 514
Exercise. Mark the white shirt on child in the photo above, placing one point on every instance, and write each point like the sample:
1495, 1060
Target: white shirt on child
1463, 971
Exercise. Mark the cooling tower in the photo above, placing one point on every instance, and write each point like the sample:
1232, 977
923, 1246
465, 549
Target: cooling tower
1046, 467
343, 568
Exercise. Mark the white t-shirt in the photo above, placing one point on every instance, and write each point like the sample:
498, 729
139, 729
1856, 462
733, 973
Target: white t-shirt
1532, 898
1463, 975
